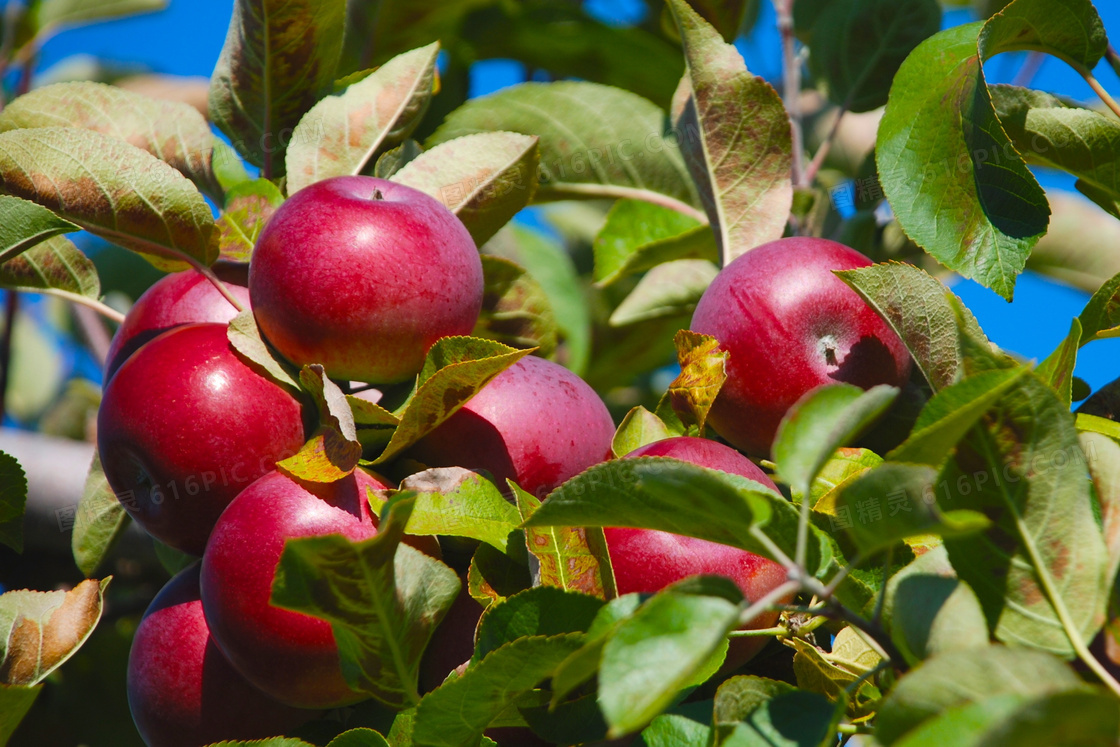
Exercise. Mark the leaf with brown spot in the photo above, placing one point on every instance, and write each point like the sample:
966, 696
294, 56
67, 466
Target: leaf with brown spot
341, 134
571, 558
484, 178
735, 137
112, 189
333, 452
515, 308
456, 502
1103, 456
703, 371
53, 266
249, 205
40, 630
23, 224
172, 131
279, 57
455, 369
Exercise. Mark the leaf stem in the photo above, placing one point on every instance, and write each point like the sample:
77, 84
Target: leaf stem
90, 303
1113, 58
791, 87
826, 146
777, 630
803, 525
633, 193
208, 273
1098, 89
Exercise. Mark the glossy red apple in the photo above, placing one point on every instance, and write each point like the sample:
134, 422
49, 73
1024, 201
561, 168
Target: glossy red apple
536, 423
182, 691
790, 325
291, 656
184, 426
647, 561
175, 299
362, 275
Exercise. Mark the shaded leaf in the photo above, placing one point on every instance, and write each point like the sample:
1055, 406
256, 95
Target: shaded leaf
112, 189
340, 135
515, 308
541, 611
1101, 317
23, 224
358, 738
571, 558
595, 141
13, 501
172, 131
670, 289
845, 465
278, 59
581, 665
15, 702
1057, 368
53, 266
483, 178
456, 714
40, 630
248, 206
382, 598
703, 372
793, 719
245, 338
675, 730
494, 576
734, 134
831, 677
638, 236
394, 159
50, 16
1103, 455
638, 428
737, 697
333, 451
99, 521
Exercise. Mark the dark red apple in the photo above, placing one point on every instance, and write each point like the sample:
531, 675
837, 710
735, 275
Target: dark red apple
452, 642
175, 299
182, 691
291, 656
646, 561
536, 423
184, 426
790, 326
362, 275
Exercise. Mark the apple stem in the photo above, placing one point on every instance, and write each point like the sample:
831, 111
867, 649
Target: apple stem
791, 86
377, 194
209, 275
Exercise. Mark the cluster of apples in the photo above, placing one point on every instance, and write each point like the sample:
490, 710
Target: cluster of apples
362, 276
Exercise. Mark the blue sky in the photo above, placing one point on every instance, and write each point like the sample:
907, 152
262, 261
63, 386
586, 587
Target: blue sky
186, 39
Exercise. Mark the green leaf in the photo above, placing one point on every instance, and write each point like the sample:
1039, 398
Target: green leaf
842, 467
638, 428
920, 310
340, 135
638, 236
792, 719
681, 498
582, 664
675, 730
248, 206
833, 676
1094, 424
395, 159
455, 714
929, 611
1051, 132
456, 502
484, 178
952, 413
1057, 369
23, 224
361, 737
40, 630
965, 724
382, 598
112, 189
968, 676
515, 308
278, 59
737, 697
374, 423
734, 134
571, 558
13, 501
595, 141
1024, 469
1103, 455
1101, 317
821, 422
863, 43
99, 522
172, 131
494, 576
245, 338
549, 264
15, 702
455, 369
670, 289
893, 502
658, 652
703, 372
51, 16
541, 611
54, 266
333, 451
269, 742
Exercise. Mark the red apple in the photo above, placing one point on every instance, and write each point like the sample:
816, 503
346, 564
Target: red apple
452, 642
184, 426
646, 561
182, 691
790, 326
536, 423
362, 275
175, 299
291, 656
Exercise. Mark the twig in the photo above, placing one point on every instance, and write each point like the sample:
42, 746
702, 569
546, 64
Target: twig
1098, 89
1030, 68
1113, 58
85, 301
768, 600
822, 151
11, 308
791, 86
94, 331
